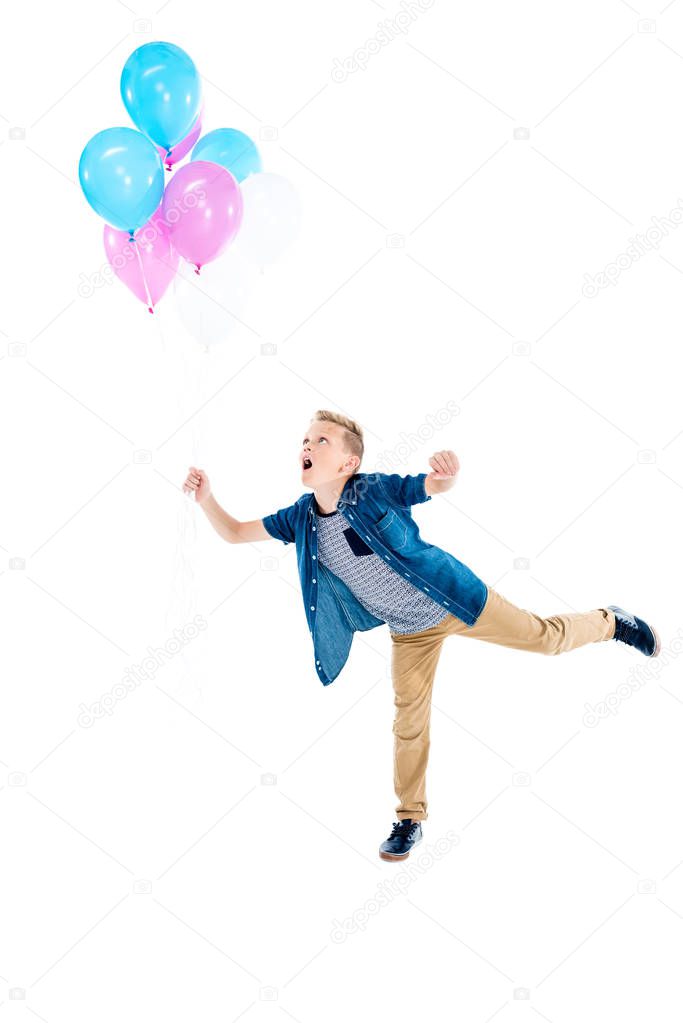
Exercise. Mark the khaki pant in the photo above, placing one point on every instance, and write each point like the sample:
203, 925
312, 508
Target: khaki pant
413, 663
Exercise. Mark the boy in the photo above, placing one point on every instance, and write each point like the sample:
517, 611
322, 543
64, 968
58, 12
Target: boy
362, 563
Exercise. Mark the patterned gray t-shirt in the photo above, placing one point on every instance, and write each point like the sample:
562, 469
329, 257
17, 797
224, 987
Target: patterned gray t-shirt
381, 590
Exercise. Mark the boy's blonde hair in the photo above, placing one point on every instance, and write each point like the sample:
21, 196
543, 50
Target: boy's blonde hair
353, 433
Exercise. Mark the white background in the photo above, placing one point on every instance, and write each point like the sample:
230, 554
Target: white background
456, 191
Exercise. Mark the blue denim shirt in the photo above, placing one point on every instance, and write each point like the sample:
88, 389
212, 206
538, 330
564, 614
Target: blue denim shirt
377, 506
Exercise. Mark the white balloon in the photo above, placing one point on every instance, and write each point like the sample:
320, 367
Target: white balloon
271, 217
211, 304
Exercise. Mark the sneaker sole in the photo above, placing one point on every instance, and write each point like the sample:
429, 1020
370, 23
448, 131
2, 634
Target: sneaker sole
658, 642
399, 856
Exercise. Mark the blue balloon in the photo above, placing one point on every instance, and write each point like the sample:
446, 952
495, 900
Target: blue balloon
122, 177
230, 148
162, 92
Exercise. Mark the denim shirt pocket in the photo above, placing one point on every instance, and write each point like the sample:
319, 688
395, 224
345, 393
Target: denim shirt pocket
392, 531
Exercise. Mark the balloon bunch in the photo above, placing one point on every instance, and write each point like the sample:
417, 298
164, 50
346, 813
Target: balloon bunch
219, 194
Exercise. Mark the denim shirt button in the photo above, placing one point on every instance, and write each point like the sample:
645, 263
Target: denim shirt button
312, 607
314, 580
313, 557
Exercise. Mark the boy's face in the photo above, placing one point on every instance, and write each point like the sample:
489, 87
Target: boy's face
322, 446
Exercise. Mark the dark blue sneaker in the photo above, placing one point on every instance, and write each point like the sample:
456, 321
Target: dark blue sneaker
635, 632
404, 835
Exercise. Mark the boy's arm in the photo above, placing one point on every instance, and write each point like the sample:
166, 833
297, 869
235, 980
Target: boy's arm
231, 529
406, 491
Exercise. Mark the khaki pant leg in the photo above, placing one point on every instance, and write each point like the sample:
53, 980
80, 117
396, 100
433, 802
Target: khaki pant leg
414, 658
502, 622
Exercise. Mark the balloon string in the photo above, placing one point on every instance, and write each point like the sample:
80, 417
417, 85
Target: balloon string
183, 598
150, 304
164, 349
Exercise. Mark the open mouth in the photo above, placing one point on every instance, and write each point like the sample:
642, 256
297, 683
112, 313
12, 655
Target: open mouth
307, 463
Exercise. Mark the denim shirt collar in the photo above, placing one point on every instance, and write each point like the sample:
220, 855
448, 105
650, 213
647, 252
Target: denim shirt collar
348, 495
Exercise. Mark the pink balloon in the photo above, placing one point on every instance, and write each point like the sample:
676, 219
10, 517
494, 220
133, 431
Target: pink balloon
202, 207
146, 265
181, 150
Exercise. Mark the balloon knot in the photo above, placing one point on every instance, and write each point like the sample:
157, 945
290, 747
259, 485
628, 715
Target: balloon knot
150, 308
197, 269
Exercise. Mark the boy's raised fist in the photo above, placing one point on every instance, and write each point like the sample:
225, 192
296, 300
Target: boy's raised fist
444, 465
197, 482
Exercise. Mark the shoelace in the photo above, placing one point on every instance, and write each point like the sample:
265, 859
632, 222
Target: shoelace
399, 827
624, 630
